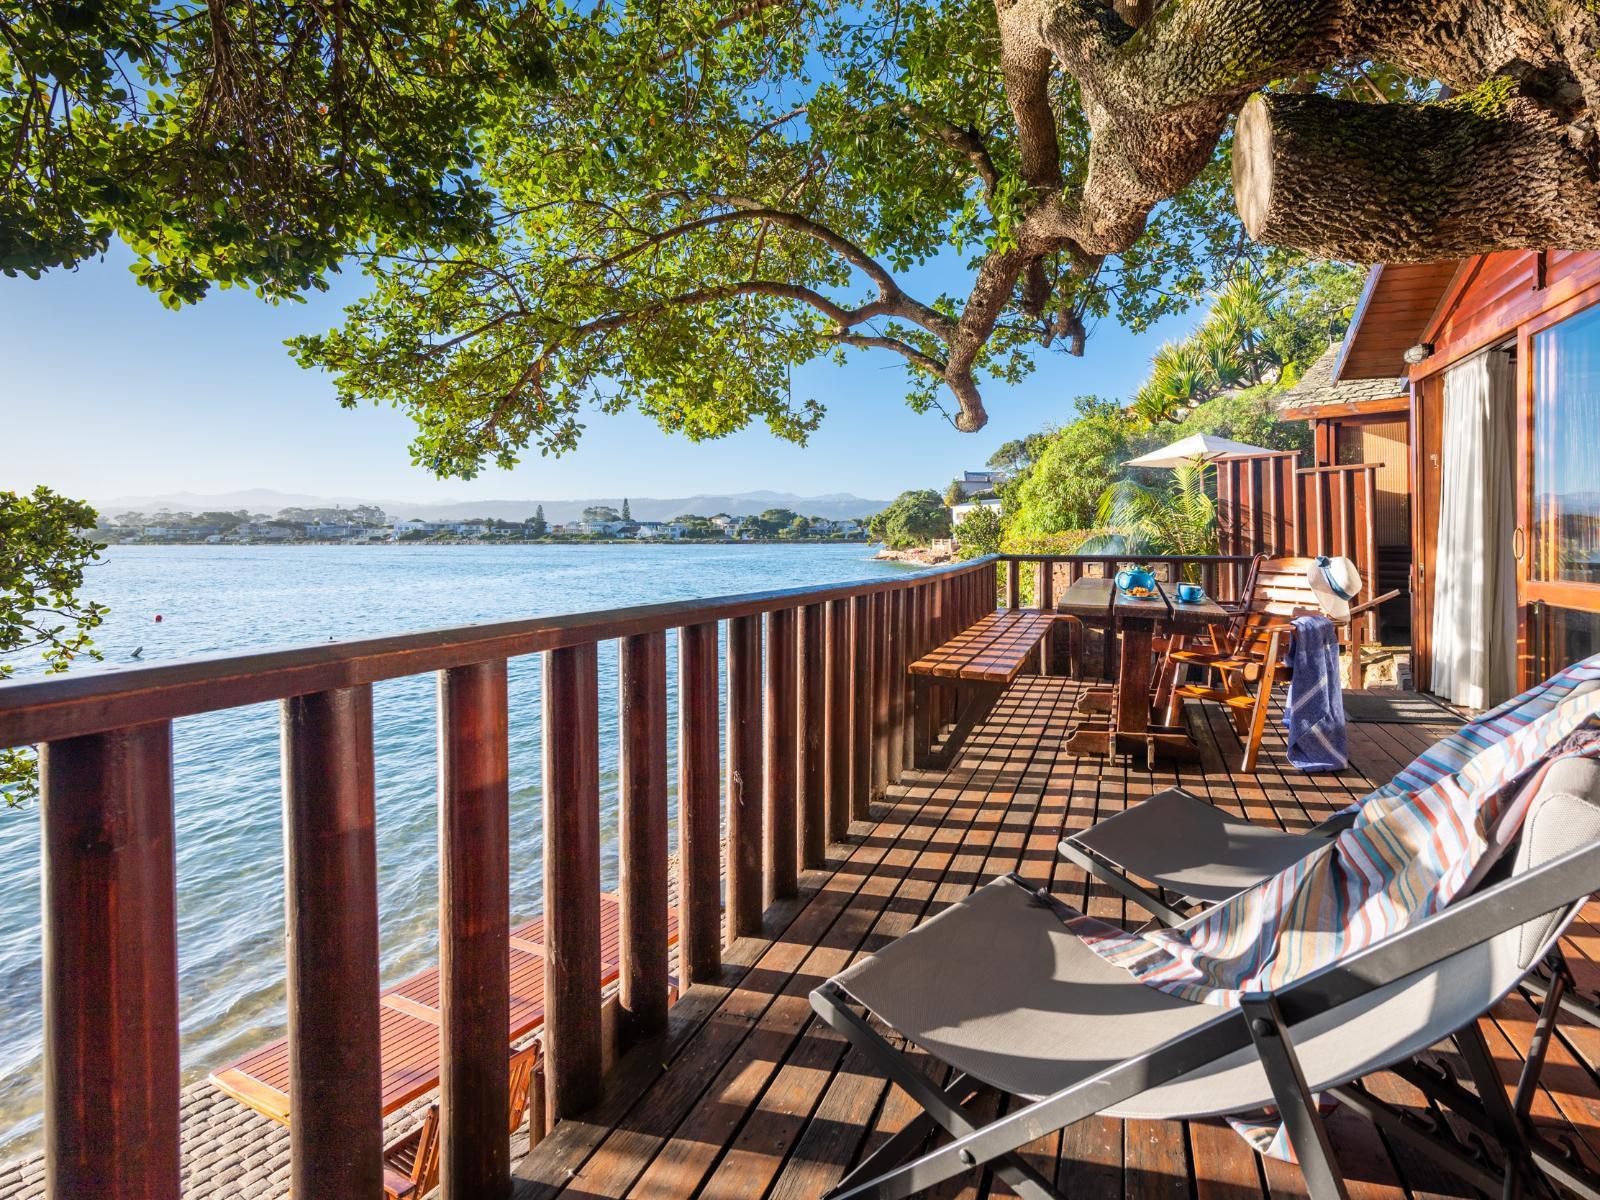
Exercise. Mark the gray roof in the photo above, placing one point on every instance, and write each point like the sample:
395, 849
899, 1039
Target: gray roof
1316, 386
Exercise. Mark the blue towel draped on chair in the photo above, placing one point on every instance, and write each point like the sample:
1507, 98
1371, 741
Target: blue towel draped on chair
1315, 712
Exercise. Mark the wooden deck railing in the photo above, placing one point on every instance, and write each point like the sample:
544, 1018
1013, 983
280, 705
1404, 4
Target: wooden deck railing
819, 719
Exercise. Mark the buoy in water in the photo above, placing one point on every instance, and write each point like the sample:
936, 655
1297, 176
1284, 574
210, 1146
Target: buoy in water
158, 618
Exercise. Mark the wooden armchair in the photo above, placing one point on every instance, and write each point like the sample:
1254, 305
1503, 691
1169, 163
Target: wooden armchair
411, 1161
1255, 648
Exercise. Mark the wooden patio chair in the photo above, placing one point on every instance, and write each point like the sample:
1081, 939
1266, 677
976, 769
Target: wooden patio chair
1256, 647
411, 1161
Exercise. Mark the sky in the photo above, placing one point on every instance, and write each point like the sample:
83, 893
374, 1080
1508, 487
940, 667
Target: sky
106, 394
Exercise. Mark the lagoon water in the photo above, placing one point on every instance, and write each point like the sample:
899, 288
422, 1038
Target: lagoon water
229, 820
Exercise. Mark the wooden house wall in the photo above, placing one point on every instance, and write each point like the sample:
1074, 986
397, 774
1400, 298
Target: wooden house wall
1492, 298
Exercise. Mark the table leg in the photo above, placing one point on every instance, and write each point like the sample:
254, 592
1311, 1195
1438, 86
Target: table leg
1167, 699
1133, 679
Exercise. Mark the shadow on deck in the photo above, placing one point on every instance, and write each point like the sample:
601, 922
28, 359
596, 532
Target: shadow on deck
749, 1096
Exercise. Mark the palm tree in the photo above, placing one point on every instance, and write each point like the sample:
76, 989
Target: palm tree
1220, 343
1178, 517
1244, 305
1180, 378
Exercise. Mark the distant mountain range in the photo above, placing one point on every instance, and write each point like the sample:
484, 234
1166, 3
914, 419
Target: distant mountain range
836, 505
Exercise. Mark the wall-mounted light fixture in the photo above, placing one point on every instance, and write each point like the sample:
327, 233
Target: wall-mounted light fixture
1419, 353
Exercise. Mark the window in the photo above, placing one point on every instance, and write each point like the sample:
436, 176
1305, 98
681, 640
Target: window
1565, 543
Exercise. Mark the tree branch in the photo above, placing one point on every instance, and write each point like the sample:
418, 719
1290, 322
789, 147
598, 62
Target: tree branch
911, 354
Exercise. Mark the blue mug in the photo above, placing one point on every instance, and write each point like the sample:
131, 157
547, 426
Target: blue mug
1191, 593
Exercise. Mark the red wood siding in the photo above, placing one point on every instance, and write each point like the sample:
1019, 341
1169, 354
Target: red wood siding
1500, 292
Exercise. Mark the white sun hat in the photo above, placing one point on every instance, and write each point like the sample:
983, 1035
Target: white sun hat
1336, 582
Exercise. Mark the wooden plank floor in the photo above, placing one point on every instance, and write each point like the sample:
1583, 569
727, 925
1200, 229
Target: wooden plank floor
748, 1096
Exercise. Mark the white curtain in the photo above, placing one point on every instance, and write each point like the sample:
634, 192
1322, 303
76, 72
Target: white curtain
1474, 583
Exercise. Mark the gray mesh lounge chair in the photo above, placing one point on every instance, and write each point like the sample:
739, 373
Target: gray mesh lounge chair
996, 988
1191, 852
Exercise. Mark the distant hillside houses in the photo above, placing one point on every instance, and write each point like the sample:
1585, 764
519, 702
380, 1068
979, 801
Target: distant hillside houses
371, 524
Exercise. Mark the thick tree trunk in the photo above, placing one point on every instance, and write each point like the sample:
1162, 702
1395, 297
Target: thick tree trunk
1491, 170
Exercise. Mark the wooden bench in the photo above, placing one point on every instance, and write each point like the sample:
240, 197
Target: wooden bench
979, 662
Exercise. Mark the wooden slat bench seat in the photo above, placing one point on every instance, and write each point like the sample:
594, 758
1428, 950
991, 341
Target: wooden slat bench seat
409, 1019
979, 662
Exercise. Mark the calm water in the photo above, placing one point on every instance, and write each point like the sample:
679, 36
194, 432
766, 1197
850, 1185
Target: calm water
230, 848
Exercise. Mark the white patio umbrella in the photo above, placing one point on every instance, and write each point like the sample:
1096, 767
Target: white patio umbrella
1195, 448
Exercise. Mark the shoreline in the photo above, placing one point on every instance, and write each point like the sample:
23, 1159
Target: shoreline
513, 542
920, 556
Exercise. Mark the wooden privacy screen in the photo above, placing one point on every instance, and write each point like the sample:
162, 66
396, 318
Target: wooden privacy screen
1268, 504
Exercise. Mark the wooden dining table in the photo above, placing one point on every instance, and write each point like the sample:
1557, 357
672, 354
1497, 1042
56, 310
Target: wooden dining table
1118, 718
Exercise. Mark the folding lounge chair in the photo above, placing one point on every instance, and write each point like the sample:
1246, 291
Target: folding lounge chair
999, 990
1191, 850
1194, 853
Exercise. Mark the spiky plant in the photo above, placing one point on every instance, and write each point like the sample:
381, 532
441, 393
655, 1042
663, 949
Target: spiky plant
1175, 517
1244, 306
1180, 377
1221, 346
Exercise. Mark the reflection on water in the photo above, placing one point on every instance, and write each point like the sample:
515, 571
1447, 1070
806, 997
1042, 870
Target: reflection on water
230, 841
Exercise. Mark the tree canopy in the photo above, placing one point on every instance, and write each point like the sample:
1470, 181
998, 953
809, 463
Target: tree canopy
707, 193
254, 144
43, 555
912, 518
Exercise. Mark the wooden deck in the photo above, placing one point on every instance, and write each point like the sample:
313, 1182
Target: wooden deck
748, 1096
409, 1029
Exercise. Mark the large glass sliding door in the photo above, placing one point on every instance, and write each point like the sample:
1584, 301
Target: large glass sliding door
1561, 561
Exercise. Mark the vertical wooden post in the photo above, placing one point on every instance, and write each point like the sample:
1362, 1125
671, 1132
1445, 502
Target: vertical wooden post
917, 600
1369, 543
572, 1040
642, 833
1013, 584
744, 777
916, 634
1044, 595
1227, 507
880, 692
812, 688
780, 852
949, 623
839, 737
898, 629
474, 931
1250, 503
110, 966
923, 701
331, 897
1272, 505
861, 707
699, 805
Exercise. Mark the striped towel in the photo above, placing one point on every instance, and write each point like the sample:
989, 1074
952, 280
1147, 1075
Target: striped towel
1315, 712
1416, 843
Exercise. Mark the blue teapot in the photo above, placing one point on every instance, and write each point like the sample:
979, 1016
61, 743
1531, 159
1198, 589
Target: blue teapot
1136, 581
